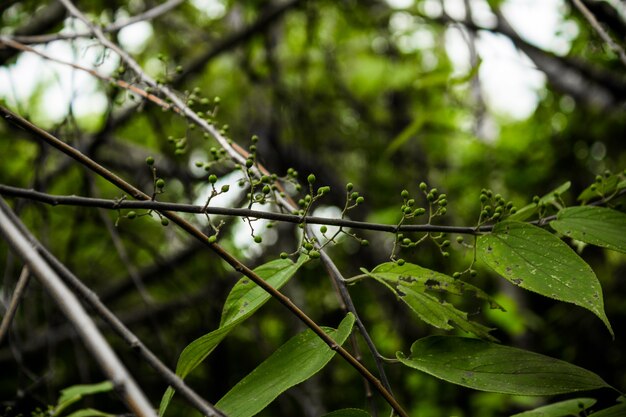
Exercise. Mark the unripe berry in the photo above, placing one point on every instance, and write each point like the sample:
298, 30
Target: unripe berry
423, 186
314, 254
225, 188
160, 183
131, 215
400, 262
536, 199
456, 275
284, 255
349, 186
445, 254
406, 241
212, 239
311, 178
419, 211
459, 239
164, 221
266, 189
258, 239
404, 194
249, 163
445, 243
323, 229
360, 200
150, 161
365, 242
308, 246
212, 178
473, 272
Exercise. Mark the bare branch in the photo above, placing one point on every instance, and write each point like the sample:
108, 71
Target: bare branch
69, 304
112, 320
18, 293
614, 46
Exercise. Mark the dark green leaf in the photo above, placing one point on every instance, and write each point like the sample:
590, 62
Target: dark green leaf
598, 226
561, 409
243, 300
90, 412
536, 260
294, 362
348, 412
618, 410
487, 366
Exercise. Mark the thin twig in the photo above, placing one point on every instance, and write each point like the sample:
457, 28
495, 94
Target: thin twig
18, 293
69, 304
90, 298
114, 27
196, 233
614, 46
73, 200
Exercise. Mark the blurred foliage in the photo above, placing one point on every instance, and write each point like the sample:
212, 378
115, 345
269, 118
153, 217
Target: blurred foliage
337, 88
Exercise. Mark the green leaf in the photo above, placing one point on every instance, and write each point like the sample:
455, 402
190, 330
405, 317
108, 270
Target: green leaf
602, 189
594, 225
618, 410
74, 393
528, 211
294, 362
414, 285
348, 412
243, 300
90, 412
538, 261
487, 366
427, 280
560, 409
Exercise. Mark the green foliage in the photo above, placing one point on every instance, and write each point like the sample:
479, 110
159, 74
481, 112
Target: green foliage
277, 374
598, 226
491, 367
243, 300
561, 409
536, 260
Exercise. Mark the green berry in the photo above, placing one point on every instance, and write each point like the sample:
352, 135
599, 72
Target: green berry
258, 239
212, 239
400, 262
473, 272
456, 275
404, 194
308, 246
459, 239
443, 202
419, 211
423, 186
225, 188
536, 199
249, 163
311, 178
314, 254
360, 200
284, 255
266, 189
212, 178
445, 243
349, 186
160, 183
445, 254
164, 221
323, 229
179, 69
365, 242
150, 161
131, 214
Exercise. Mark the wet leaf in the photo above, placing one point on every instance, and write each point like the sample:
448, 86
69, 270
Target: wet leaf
538, 261
487, 366
598, 226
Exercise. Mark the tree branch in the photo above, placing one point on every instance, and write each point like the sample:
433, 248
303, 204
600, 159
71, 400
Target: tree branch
69, 304
18, 293
112, 320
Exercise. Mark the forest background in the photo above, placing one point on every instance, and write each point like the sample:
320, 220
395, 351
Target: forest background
511, 98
